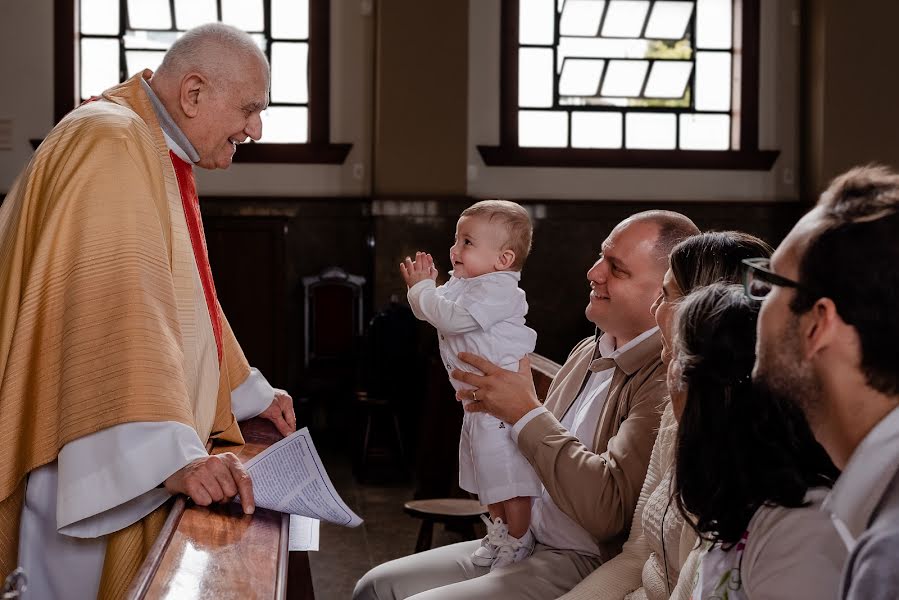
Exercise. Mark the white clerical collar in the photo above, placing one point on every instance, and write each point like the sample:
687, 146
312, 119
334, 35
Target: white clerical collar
175, 139
869, 472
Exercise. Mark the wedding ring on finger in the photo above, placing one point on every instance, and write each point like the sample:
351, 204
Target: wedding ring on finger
474, 395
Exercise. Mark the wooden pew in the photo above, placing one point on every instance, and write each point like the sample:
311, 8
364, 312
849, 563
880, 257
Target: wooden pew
218, 552
544, 371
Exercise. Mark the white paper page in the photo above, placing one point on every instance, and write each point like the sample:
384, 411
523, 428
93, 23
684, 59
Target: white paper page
303, 534
289, 477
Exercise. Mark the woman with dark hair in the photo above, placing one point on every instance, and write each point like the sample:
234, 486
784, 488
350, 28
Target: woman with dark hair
749, 473
653, 563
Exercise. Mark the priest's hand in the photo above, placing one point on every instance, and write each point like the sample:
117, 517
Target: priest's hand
507, 395
216, 478
281, 413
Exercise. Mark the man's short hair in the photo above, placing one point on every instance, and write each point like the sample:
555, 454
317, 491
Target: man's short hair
673, 228
853, 259
516, 221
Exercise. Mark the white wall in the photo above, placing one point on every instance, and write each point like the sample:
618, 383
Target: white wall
778, 129
26, 96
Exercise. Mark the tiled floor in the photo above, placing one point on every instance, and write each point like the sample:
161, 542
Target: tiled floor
386, 533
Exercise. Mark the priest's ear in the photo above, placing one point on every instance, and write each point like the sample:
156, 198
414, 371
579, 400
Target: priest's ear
194, 88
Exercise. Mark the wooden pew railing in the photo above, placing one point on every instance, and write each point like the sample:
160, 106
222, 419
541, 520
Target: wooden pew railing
218, 552
544, 371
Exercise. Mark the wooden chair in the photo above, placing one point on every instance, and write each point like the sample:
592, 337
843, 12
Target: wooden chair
332, 331
448, 511
464, 512
385, 390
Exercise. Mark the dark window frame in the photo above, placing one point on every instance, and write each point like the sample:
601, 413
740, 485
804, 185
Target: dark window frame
318, 150
747, 15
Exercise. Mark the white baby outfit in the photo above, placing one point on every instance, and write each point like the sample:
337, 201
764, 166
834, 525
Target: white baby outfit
482, 315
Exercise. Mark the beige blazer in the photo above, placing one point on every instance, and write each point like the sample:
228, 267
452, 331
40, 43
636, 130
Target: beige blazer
598, 486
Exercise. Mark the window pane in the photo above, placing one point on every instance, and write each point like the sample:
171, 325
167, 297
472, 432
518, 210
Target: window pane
149, 14
100, 17
580, 77
581, 17
669, 20
260, 41
243, 14
653, 131
289, 68
542, 129
285, 125
138, 60
668, 79
705, 132
713, 80
601, 48
290, 19
535, 77
536, 22
596, 130
150, 40
713, 23
624, 77
190, 13
99, 66
625, 18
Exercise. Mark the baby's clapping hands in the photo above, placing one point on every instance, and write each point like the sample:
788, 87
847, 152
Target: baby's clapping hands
423, 268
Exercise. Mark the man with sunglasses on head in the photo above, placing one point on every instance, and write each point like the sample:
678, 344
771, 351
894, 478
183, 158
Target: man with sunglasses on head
828, 339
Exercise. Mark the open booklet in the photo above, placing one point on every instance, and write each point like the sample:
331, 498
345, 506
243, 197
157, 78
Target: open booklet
289, 477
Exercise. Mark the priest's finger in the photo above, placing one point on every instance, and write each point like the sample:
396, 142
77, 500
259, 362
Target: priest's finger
212, 487
244, 485
226, 482
196, 491
281, 424
286, 403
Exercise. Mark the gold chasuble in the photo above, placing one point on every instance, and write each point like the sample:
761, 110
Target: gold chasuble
108, 313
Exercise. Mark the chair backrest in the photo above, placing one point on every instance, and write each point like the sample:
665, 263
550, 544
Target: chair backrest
332, 315
544, 371
391, 351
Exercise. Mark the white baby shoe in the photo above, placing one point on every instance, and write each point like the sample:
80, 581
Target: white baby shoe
514, 550
497, 534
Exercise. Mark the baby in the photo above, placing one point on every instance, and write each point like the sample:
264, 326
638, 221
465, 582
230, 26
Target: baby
481, 310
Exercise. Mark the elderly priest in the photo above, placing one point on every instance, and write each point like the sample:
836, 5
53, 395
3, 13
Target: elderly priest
117, 365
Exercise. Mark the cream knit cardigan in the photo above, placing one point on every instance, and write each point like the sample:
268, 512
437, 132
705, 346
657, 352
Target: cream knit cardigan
639, 572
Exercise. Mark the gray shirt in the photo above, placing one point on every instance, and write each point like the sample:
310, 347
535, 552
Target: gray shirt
864, 506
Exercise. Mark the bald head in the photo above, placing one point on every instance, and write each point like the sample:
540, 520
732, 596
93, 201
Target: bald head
673, 227
214, 50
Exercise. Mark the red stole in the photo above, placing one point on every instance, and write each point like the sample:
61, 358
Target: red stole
184, 172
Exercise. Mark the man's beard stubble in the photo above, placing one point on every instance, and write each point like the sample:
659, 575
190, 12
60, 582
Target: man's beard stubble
781, 373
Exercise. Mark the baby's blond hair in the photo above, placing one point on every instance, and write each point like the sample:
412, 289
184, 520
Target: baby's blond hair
516, 221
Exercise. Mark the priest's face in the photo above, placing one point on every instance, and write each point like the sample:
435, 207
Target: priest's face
231, 113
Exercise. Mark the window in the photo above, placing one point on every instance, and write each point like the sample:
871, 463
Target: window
629, 83
114, 39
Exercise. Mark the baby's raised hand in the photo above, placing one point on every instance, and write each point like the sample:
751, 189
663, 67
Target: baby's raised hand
419, 270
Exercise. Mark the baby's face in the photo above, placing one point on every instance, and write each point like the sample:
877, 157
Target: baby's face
478, 247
